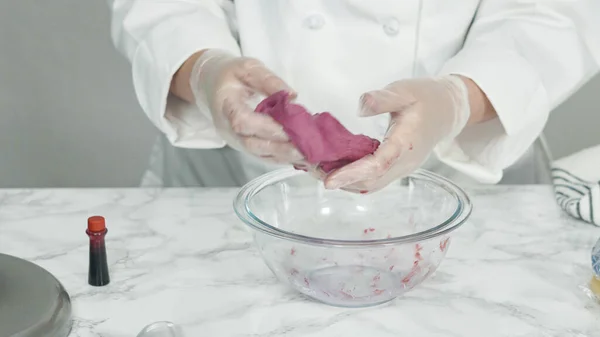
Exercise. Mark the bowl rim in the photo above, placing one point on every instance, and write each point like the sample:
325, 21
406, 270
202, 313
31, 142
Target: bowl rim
253, 187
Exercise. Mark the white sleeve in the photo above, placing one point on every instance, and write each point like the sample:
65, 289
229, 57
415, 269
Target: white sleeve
527, 56
157, 36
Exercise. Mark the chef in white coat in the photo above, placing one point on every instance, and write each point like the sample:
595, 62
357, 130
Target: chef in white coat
462, 88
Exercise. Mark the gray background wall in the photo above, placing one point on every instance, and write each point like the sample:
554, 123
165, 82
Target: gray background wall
69, 114
68, 107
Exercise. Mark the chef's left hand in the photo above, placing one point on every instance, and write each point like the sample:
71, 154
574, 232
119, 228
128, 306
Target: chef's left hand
424, 112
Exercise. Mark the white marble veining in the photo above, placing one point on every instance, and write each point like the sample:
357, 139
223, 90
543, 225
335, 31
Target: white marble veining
181, 255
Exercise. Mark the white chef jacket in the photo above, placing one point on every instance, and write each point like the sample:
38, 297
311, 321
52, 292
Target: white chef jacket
526, 55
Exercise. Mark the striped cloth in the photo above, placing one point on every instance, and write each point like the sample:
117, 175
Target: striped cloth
576, 180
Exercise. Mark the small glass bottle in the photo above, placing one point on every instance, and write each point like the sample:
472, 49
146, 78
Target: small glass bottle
98, 268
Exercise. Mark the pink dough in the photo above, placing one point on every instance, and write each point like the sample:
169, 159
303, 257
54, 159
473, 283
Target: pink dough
321, 138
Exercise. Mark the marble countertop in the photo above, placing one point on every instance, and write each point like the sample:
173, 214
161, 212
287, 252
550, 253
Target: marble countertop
515, 269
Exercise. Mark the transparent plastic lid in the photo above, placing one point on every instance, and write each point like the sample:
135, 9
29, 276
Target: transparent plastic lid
162, 329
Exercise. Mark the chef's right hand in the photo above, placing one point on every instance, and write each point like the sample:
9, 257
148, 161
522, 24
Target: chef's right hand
225, 85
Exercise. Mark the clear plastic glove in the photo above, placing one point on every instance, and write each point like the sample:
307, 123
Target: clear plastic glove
226, 85
424, 113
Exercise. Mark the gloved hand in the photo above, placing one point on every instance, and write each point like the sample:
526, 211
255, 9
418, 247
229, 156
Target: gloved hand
225, 85
424, 112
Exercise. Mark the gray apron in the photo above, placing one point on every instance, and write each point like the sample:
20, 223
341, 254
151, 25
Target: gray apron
225, 167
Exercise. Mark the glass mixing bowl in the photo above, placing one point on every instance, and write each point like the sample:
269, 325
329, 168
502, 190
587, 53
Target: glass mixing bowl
346, 249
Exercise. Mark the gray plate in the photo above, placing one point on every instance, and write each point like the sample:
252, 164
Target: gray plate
33, 303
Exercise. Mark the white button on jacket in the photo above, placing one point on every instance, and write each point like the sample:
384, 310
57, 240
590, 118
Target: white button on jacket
315, 21
526, 55
391, 27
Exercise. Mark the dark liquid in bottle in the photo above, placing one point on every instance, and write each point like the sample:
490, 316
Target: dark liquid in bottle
98, 272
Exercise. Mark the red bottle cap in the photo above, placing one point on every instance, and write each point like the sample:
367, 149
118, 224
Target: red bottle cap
96, 224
